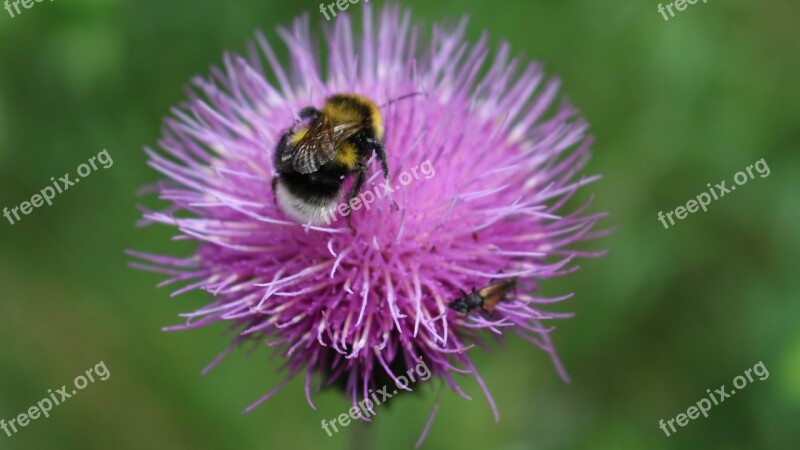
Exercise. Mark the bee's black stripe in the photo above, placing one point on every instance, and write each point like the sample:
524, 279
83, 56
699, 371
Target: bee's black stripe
318, 187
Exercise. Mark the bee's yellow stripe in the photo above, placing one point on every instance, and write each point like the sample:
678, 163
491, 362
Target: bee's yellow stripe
377, 121
347, 155
298, 135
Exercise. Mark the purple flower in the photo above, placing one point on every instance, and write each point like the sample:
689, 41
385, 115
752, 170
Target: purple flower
357, 306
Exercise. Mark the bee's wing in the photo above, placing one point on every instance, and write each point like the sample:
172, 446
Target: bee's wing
318, 146
315, 148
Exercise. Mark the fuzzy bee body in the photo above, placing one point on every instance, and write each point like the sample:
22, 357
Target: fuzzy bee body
314, 160
485, 298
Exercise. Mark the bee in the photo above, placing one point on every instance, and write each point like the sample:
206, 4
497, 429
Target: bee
485, 298
329, 146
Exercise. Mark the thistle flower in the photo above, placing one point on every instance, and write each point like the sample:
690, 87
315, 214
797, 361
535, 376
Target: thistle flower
357, 305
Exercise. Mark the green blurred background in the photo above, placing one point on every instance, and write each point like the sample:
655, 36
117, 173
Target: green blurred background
666, 315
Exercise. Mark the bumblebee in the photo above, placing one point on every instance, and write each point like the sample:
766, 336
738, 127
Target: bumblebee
327, 147
485, 298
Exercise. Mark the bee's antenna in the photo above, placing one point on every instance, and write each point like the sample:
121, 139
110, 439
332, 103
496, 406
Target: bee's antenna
402, 97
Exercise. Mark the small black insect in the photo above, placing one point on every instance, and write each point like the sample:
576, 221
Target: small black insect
484, 298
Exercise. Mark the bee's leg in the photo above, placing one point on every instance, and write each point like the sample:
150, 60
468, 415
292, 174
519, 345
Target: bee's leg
360, 179
275, 190
282, 157
350, 224
381, 152
377, 146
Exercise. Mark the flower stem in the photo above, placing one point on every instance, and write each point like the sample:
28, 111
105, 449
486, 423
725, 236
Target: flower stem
364, 434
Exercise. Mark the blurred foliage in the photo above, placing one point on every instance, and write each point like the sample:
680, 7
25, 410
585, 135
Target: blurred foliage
666, 315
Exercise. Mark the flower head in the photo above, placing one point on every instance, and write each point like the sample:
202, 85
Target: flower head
482, 166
